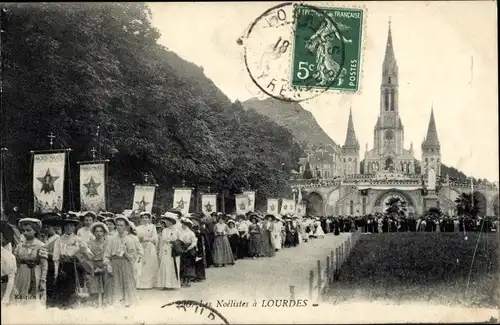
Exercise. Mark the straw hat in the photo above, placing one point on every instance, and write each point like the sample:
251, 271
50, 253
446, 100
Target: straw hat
145, 213
30, 220
231, 221
110, 220
88, 213
172, 217
99, 224
127, 220
270, 216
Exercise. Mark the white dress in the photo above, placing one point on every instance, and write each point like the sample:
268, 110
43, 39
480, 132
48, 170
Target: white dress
276, 234
168, 275
319, 230
149, 264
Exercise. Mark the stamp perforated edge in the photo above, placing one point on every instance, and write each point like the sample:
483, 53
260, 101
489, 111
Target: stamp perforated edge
330, 5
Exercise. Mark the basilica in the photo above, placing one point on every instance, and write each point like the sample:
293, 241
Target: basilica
348, 184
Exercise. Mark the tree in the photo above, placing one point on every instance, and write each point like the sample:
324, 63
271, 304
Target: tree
73, 67
307, 172
467, 205
396, 206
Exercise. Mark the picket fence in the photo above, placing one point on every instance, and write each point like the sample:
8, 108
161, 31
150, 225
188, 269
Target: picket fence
327, 271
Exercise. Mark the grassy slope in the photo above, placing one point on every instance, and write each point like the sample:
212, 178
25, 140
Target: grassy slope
429, 267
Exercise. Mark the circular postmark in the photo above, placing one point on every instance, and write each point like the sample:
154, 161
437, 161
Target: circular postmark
195, 312
294, 52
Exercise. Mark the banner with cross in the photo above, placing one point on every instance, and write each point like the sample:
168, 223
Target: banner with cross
251, 200
182, 199
208, 203
241, 204
272, 206
93, 186
143, 198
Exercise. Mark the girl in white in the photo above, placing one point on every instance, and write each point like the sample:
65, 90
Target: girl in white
168, 275
148, 237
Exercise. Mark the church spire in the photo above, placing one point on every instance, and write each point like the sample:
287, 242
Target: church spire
431, 141
390, 66
351, 142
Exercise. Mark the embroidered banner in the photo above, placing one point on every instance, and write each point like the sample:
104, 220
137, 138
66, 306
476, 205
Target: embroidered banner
93, 187
208, 203
182, 199
144, 196
300, 210
287, 206
241, 204
48, 181
272, 206
251, 200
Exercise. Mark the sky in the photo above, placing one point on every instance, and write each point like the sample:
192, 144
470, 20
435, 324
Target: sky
446, 54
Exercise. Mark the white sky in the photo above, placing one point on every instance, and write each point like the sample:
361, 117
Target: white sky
433, 42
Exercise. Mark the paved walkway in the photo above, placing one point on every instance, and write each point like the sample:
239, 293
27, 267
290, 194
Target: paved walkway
263, 278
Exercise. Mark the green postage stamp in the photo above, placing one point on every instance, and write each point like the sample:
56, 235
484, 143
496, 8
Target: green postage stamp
294, 52
327, 48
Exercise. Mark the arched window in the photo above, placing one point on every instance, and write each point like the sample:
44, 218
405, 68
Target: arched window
389, 80
351, 207
392, 99
386, 99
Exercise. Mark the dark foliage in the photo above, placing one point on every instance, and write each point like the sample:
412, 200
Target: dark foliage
68, 68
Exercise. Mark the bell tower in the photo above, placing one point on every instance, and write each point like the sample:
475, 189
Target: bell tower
389, 131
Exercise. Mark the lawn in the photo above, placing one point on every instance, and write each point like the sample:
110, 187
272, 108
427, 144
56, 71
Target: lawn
431, 267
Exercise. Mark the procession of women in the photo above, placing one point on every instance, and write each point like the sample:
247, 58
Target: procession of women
88, 259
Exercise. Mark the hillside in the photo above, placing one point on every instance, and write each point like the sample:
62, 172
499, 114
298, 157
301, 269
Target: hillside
86, 65
294, 117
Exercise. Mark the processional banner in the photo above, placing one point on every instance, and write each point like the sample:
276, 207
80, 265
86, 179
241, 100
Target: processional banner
93, 187
144, 196
48, 181
272, 206
182, 199
251, 200
208, 203
300, 210
241, 204
287, 206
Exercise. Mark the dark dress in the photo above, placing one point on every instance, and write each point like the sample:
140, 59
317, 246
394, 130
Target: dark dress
234, 242
201, 261
254, 243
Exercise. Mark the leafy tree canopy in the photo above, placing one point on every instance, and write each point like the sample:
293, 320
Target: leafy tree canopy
69, 68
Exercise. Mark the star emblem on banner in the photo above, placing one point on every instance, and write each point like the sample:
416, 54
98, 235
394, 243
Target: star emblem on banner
180, 204
242, 206
142, 204
92, 187
47, 182
208, 207
272, 207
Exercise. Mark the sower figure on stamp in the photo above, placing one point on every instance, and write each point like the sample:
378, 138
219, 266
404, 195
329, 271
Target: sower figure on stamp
31, 258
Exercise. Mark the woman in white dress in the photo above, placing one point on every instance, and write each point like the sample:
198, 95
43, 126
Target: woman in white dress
148, 237
318, 233
276, 235
168, 275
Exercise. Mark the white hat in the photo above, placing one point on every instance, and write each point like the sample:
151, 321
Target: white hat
99, 224
122, 217
30, 220
143, 213
170, 216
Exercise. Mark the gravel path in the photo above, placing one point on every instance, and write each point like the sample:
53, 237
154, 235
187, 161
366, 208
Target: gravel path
262, 278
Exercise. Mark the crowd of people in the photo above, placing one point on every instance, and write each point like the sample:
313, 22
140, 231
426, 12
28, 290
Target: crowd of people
104, 259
